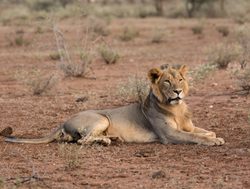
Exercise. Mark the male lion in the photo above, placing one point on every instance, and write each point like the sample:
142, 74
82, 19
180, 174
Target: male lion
163, 117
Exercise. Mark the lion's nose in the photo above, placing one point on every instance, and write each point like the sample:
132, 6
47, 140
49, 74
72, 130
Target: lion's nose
178, 91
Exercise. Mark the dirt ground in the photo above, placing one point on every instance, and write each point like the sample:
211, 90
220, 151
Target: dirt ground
213, 102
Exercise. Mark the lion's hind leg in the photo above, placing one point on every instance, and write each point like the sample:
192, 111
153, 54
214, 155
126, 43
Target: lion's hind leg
96, 133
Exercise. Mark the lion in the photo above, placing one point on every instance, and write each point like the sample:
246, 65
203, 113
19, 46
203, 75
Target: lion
163, 117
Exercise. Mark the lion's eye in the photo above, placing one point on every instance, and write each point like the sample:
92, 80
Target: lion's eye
167, 82
180, 80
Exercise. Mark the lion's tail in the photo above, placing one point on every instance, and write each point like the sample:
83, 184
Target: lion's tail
47, 139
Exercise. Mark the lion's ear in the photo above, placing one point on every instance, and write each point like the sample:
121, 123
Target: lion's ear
154, 74
183, 70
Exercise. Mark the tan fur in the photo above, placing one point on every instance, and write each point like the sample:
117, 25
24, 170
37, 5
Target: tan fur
163, 117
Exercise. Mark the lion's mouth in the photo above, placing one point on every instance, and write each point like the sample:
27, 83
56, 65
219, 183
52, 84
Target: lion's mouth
174, 99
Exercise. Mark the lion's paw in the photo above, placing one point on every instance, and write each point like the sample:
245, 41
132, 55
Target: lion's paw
215, 142
211, 134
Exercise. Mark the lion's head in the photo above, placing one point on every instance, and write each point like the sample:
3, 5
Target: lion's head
169, 84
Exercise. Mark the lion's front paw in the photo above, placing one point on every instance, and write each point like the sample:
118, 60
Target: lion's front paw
220, 141
211, 134
215, 142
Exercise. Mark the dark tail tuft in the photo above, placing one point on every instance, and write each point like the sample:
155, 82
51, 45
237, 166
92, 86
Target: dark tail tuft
6, 132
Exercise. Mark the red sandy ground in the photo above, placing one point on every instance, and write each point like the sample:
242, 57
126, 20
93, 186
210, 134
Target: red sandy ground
212, 102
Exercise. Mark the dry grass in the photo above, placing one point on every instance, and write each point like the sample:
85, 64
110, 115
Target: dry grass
77, 69
54, 56
243, 77
109, 55
223, 30
129, 33
197, 29
36, 81
242, 36
98, 26
158, 36
21, 41
70, 154
201, 72
135, 89
68, 67
20, 11
223, 54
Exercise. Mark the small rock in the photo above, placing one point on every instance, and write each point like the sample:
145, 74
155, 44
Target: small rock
158, 175
82, 99
214, 84
211, 106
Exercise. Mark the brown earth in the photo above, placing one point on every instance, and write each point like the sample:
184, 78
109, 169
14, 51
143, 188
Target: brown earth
213, 102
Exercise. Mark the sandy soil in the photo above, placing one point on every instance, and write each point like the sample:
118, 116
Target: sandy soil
213, 102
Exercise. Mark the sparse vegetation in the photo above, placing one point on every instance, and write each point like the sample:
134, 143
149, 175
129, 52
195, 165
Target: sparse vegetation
135, 89
242, 36
99, 27
201, 72
109, 55
129, 33
77, 69
158, 36
223, 30
68, 67
36, 81
1, 183
55, 56
223, 54
197, 29
21, 41
70, 153
243, 77
39, 30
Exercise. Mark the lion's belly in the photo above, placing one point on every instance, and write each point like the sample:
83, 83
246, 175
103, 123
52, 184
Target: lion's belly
128, 132
129, 124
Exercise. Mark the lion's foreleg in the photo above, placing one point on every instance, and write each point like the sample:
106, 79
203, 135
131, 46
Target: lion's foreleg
204, 132
177, 136
189, 127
